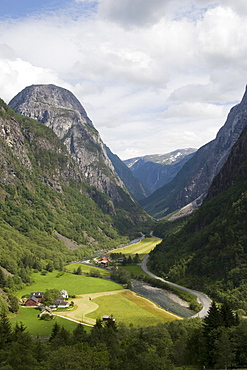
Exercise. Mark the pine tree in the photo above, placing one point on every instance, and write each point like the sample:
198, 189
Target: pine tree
227, 315
213, 319
5, 331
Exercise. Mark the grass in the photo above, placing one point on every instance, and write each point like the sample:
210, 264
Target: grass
142, 248
135, 270
130, 308
86, 269
74, 284
36, 327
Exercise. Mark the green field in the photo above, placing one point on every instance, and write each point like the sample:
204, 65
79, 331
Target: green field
74, 284
86, 269
134, 269
36, 327
142, 248
130, 308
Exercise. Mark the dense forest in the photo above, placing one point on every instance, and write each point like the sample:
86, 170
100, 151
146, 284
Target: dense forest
218, 341
208, 250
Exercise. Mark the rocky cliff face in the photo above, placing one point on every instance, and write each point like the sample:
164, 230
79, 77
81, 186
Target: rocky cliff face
60, 110
193, 180
157, 170
134, 186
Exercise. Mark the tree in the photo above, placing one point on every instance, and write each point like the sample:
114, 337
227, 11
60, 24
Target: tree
213, 319
79, 334
13, 303
79, 271
2, 279
50, 295
227, 315
54, 332
223, 350
5, 331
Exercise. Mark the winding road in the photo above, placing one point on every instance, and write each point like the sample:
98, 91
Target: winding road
203, 299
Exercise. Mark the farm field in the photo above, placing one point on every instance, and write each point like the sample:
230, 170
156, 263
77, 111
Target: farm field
130, 308
142, 248
86, 269
36, 327
74, 284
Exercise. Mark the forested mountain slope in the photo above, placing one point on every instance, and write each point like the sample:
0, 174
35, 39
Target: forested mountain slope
209, 252
43, 194
195, 177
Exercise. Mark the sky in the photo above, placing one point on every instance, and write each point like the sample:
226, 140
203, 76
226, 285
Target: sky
153, 75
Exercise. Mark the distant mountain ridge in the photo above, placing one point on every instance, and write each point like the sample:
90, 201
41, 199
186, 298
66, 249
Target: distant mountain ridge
134, 186
156, 170
193, 180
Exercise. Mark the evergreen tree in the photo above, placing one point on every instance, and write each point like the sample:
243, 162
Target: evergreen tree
79, 334
213, 319
5, 331
55, 330
2, 279
227, 315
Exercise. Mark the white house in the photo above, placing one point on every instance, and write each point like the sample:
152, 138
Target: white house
64, 294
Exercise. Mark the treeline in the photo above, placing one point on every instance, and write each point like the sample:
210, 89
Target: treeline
209, 252
218, 341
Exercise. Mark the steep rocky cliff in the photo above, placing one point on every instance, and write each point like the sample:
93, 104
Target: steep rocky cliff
134, 186
43, 193
157, 170
195, 177
60, 110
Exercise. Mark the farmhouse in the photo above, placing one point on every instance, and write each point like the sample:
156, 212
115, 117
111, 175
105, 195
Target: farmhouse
108, 317
59, 303
38, 295
104, 261
32, 301
64, 294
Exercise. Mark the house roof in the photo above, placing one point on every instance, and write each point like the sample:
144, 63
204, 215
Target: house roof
37, 294
33, 298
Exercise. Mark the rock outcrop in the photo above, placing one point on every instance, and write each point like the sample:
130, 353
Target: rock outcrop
194, 179
60, 110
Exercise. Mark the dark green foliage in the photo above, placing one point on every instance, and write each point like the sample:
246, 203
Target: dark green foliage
48, 200
209, 252
50, 295
180, 344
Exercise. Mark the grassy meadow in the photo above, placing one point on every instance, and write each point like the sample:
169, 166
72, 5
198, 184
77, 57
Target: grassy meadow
94, 297
74, 284
143, 247
86, 269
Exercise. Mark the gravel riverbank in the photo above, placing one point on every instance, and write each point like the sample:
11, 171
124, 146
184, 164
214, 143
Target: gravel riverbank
163, 298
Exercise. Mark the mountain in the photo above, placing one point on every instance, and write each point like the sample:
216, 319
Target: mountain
49, 214
157, 170
193, 180
60, 110
134, 186
209, 252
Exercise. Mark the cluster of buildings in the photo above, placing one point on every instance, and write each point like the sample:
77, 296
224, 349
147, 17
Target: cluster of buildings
35, 299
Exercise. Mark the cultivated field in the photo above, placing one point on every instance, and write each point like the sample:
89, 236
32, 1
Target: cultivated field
142, 248
95, 297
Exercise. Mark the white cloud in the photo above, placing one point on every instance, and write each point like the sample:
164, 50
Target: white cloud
153, 76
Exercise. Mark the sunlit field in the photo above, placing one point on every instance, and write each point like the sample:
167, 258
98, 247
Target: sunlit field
142, 248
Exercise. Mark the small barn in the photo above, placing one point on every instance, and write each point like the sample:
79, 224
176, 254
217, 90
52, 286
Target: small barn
38, 295
32, 301
108, 317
